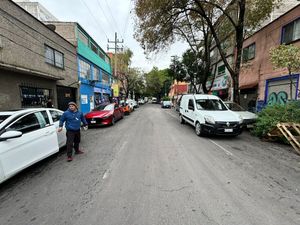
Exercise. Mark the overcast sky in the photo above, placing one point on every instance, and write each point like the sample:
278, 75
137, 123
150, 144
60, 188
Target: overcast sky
102, 18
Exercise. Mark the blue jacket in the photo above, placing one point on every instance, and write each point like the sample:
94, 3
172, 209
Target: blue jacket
73, 120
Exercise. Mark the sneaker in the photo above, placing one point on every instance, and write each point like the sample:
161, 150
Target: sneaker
79, 152
69, 159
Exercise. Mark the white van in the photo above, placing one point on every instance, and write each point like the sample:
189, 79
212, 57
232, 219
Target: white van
209, 115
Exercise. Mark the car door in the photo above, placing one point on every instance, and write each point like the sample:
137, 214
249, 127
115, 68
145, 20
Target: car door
191, 111
61, 136
38, 141
117, 113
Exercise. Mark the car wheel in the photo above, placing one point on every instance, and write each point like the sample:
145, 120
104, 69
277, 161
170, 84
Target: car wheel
198, 129
182, 121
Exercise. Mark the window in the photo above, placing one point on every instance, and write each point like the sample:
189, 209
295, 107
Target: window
249, 53
34, 97
210, 104
83, 38
54, 57
105, 77
191, 104
45, 115
221, 70
84, 69
107, 60
96, 73
291, 32
26, 124
94, 48
55, 115
101, 54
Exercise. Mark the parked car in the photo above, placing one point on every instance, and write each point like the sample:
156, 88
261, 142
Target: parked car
26, 137
209, 115
166, 104
126, 109
131, 104
249, 118
105, 114
141, 101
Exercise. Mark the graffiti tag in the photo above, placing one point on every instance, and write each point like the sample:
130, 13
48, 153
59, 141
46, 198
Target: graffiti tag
277, 98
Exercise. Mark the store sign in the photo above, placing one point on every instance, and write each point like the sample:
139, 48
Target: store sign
116, 90
220, 82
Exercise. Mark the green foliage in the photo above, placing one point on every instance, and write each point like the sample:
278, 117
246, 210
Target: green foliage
286, 56
270, 116
166, 98
155, 81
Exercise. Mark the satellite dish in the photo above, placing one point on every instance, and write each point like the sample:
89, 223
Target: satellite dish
51, 27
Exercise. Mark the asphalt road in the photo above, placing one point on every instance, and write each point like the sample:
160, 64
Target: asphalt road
148, 169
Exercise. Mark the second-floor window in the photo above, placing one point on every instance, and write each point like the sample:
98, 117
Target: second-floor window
84, 69
96, 73
105, 78
291, 32
54, 57
249, 53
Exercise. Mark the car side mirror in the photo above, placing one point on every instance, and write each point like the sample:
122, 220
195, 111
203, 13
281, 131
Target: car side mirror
10, 134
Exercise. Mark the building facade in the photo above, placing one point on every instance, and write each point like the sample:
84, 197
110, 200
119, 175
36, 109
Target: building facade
258, 78
36, 9
36, 64
94, 67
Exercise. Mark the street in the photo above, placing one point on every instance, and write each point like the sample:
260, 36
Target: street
148, 169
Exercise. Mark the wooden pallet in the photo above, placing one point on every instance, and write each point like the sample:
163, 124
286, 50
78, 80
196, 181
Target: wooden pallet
291, 131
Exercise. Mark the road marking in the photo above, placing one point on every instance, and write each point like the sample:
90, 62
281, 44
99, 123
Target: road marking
224, 149
105, 175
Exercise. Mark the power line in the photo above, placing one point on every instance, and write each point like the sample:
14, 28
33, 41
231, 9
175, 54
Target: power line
100, 26
127, 19
113, 18
104, 14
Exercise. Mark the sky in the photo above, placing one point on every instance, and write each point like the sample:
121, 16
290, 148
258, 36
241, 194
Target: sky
102, 18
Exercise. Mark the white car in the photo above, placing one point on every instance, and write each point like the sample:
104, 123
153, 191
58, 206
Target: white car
26, 137
209, 115
249, 118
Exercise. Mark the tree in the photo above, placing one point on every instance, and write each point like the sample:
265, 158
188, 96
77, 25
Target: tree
125, 74
156, 82
286, 56
159, 22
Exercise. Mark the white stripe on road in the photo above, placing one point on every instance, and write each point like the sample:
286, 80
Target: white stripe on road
224, 149
105, 174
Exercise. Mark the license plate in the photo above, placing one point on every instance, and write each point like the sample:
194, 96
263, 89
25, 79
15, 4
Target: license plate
92, 121
228, 130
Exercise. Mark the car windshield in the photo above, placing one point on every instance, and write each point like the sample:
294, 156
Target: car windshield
210, 104
166, 102
234, 107
104, 107
3, 117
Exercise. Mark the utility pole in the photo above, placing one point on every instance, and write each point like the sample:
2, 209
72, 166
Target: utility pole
116, 48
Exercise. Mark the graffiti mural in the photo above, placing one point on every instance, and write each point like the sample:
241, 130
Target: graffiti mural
277, 98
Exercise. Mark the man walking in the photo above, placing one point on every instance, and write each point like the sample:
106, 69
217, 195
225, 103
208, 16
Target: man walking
73, 119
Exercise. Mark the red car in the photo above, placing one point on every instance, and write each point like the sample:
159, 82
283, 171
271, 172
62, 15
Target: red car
106, 114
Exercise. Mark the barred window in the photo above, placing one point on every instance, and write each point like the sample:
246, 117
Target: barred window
249, 53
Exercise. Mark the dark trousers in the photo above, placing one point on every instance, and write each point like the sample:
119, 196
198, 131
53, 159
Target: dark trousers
73, 139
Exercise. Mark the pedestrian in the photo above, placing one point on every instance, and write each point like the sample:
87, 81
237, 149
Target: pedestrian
72, 119
49, 103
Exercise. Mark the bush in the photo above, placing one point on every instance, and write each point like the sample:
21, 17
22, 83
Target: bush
270, 116
166, 98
